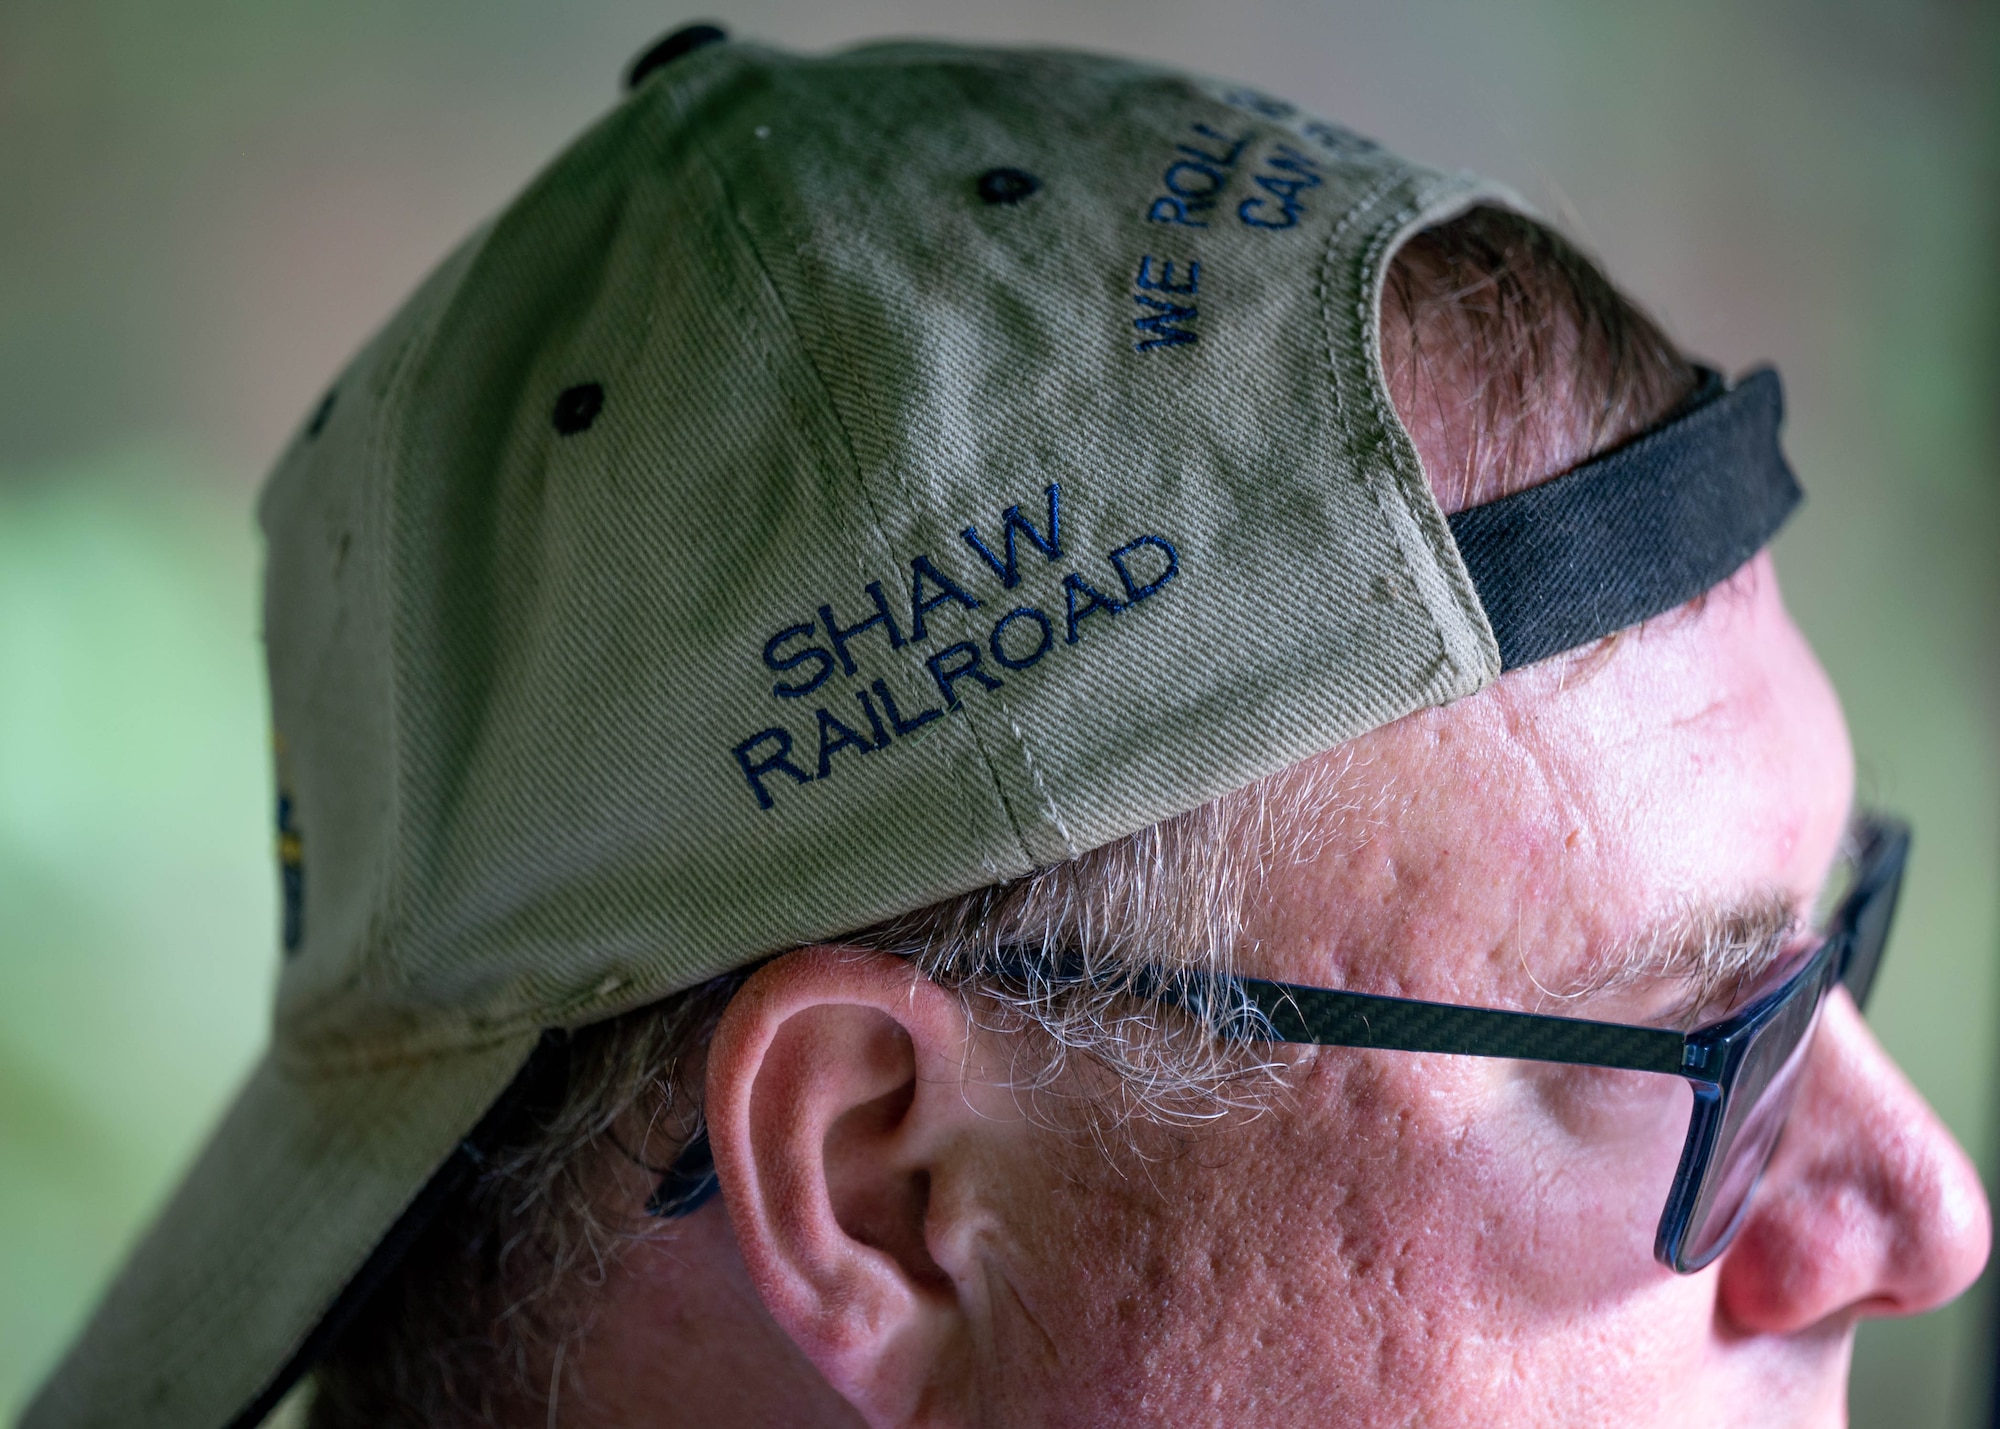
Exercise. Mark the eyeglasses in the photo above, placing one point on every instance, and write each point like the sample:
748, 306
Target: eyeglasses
1744, 1070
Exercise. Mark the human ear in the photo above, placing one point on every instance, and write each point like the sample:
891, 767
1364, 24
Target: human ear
838, 1110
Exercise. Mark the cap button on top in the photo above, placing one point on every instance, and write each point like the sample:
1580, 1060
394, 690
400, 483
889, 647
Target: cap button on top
684, 41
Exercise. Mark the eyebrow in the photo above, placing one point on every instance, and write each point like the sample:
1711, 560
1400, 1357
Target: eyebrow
1715, 953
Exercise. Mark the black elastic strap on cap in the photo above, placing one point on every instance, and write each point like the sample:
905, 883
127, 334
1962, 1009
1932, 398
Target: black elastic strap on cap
1646, 528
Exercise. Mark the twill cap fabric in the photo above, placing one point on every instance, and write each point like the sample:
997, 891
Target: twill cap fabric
835, 484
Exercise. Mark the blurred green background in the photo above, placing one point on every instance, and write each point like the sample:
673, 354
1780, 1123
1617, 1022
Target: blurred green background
205, 207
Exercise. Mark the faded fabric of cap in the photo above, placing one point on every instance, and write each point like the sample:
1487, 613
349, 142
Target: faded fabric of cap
835, 484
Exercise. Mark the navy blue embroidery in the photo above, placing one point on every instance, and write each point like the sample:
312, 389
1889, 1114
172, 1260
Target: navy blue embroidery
1158, 316
903, 727
1279, 206
1232, 146
922, 570
874, 720
778, 763
842, 737
880, 617
1159, 323
1173, 210
1163, 281
1193, 180
291, 875
1024, 612
1075, 585
1018, 640
1136, 593
791, 662
1012, 521
968, 666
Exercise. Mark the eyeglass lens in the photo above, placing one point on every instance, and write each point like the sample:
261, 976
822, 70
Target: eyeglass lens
1753, 1111
1751, 1119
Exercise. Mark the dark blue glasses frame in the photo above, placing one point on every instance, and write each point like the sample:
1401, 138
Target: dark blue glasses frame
1743, 1069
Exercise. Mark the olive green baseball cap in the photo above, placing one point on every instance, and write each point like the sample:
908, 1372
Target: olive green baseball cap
835, 484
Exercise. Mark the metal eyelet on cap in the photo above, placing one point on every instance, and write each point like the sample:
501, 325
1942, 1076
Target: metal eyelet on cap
684, 41
577, 407
1006, 185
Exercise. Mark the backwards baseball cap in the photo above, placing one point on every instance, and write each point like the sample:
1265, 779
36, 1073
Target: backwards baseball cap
837, 483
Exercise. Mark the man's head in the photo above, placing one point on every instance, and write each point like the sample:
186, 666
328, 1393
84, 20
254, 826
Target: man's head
968, 1171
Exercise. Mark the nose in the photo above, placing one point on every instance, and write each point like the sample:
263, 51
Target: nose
1869, 1207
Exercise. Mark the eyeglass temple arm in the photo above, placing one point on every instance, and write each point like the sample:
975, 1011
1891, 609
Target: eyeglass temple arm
1324, 1017
1328, 1018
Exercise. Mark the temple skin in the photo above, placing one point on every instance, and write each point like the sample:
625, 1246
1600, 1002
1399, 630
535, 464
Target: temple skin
1400, 1238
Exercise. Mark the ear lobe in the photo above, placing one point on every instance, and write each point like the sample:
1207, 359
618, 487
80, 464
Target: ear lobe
834, 1086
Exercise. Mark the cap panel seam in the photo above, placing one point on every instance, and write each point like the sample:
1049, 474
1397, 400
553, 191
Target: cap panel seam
941, 756
699, 150
1001, 699
385, 457
1035, 774
380, 454
352, 485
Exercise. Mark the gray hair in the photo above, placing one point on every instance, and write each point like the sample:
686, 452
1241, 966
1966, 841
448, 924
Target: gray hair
475, 1317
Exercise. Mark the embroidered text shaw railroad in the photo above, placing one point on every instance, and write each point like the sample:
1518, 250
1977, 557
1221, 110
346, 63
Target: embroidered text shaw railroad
807, 655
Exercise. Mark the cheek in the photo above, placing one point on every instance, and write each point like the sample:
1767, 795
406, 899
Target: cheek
1598, 1148
1486, 1228
1468, 1172
1443, 1239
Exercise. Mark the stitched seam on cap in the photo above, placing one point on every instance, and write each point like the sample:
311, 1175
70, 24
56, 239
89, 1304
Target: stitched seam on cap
456, 1031
1396, 517
387, 913
392, 909
1369, 323
1335, 363
700, 151
1464, 602
1035, 773
1000, 697
376, 510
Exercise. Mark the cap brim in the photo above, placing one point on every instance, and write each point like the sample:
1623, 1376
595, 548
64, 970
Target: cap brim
298, 1185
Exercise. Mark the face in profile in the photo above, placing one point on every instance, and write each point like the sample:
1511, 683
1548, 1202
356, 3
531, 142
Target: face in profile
1639, 834
1420, 1238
